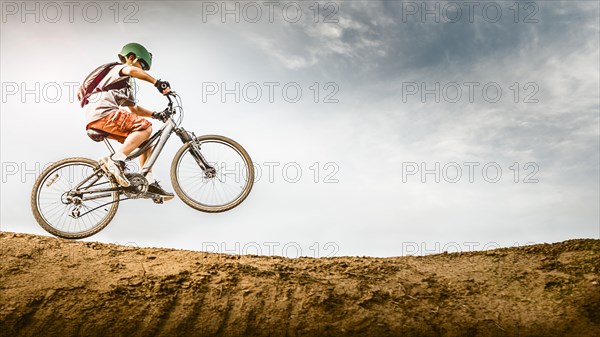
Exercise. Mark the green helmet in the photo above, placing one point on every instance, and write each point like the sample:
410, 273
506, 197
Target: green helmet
140, 52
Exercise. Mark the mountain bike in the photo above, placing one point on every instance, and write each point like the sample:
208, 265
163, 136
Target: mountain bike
74, 198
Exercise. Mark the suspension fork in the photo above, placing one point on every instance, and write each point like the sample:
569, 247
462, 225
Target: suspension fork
187, 137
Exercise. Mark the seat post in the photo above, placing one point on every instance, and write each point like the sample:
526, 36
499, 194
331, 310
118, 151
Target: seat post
110, 148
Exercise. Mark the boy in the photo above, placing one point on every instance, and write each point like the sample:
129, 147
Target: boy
115, 112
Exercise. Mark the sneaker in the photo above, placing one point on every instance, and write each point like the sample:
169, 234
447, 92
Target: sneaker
116, 168
155, 188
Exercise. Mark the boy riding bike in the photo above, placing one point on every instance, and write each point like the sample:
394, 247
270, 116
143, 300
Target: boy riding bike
111, 107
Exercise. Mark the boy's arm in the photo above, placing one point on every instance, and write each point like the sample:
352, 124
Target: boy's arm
140, 111
137, 73
142, 75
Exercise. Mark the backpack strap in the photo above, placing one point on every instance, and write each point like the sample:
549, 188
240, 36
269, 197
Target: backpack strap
90, 84
120, 84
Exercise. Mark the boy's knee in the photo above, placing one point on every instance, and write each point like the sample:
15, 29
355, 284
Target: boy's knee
148, 131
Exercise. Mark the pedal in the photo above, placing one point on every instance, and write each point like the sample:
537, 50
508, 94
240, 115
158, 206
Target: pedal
149, 195
158, 199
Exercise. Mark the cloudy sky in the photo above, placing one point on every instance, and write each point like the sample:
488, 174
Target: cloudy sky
379, 128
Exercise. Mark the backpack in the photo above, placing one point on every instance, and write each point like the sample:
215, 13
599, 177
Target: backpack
90, 84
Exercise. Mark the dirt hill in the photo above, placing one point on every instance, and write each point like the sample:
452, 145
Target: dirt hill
53, 287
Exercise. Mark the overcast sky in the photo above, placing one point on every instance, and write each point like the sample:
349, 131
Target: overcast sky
400, 88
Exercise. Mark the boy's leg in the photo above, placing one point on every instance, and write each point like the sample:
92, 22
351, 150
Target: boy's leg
127, 128
134, 140
144, 156
116, 163
153, 186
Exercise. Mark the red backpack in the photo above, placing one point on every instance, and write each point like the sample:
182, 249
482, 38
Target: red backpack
90, 84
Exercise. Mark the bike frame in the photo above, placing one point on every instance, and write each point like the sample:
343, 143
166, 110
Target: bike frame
160, 137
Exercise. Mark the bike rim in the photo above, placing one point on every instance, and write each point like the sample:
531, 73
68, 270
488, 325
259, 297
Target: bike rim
58, 212
229, 183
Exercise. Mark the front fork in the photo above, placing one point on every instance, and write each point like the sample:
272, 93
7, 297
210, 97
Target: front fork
190, 137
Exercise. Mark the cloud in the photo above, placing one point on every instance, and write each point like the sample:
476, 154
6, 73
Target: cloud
370, 53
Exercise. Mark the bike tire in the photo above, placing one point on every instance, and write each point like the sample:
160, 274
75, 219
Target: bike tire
41, 216
202, 206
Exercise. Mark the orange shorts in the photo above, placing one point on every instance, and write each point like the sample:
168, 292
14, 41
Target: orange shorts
119, 124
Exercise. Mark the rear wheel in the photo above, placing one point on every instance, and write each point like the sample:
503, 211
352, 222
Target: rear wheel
62, 201
216, 190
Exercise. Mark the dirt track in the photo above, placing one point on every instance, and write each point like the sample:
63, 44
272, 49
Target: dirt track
53, 287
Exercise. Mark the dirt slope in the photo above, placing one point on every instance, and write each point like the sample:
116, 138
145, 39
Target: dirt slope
52, 287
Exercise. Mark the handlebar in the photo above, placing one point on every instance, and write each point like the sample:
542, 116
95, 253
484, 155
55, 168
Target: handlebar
171, 93
170, 110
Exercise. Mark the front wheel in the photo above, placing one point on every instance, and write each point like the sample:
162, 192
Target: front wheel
221, 186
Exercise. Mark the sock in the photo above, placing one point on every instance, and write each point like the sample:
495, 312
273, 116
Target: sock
119, 156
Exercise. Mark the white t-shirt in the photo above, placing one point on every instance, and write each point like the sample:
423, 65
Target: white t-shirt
104, 102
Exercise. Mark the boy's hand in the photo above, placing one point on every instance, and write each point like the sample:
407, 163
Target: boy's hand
161, 116
163, 86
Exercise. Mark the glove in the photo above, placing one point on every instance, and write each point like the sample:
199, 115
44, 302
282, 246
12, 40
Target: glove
161, 116
161, 85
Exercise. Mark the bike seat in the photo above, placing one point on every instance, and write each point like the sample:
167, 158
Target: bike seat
97, 135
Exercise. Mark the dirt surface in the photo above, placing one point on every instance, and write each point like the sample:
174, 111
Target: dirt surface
54, 287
